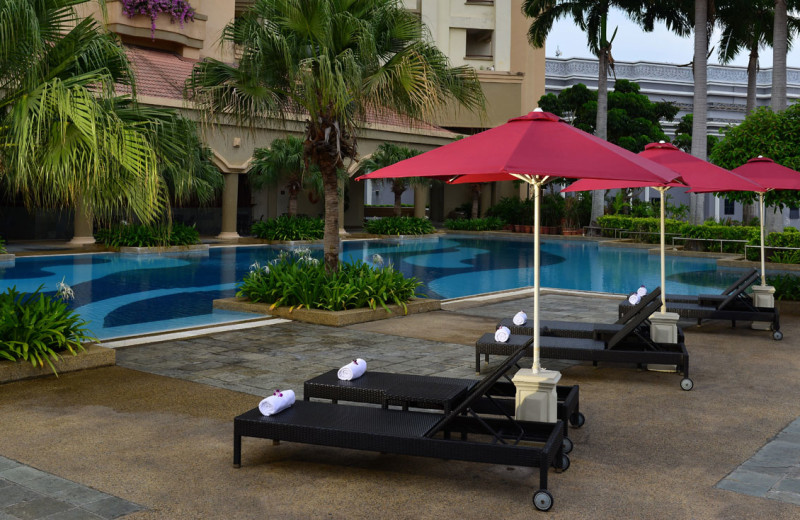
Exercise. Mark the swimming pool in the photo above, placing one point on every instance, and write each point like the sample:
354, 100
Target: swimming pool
123, 294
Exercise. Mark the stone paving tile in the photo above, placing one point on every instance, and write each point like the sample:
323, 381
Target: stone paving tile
112, 507
74, 514
40, 507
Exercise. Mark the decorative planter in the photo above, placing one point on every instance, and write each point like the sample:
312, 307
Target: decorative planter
330, 318
94, 356
196, 248
571, 231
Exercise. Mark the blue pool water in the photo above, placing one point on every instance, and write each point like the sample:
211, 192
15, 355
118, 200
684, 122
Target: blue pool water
123, 295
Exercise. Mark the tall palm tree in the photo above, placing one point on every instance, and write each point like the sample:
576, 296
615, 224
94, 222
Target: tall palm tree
386, 155
745, 33
780, 47
592, 17
329, 62
282, 162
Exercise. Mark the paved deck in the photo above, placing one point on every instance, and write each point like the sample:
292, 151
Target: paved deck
154, 434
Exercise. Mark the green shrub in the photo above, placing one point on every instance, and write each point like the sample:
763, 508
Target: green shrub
787, 286
36, 328
287, 227
789, 238
2, 246
399, 226
511, 210
475, 224
297, 280
147, 235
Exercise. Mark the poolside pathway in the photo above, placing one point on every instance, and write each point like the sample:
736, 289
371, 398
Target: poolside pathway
648, 449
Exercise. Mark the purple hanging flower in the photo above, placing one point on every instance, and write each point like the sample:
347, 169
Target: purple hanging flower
179, 10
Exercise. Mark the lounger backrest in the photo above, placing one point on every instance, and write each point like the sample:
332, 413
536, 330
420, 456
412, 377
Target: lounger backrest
634, 322
480, 389
744, 283
633, 311
747, 278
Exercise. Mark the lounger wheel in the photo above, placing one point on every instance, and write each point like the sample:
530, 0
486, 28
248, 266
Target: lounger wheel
564, 466
543, 500
577, 419
687, 384
567, 445
777, 335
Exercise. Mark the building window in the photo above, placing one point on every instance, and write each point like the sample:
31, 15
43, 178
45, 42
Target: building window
794, 212
730, 207
479, 43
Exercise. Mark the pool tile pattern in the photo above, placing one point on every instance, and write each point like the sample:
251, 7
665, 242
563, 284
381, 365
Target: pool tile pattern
27, 493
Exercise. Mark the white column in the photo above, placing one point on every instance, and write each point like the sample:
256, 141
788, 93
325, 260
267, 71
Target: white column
82, 225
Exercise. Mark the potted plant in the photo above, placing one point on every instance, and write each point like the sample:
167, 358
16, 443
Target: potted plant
552, 212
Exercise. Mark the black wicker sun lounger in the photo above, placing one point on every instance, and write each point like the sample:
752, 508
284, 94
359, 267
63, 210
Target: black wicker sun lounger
442, 393
461, 434
630, 344
733, 304
579, 329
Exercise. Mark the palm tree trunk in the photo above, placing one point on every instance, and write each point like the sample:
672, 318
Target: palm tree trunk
476, 195
330, 242
398, 206
699, 126
601, 124
779, 50
752, 73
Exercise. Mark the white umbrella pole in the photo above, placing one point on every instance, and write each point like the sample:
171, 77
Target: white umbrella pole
537, 192
663, 192
763, 264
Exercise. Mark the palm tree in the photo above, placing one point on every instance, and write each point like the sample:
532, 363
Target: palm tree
592, 17
329, 62
780, 47
386, 155
67, 139
282, 162
746, 33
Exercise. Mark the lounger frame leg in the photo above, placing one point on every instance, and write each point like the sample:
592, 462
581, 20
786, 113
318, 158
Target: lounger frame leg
237, 451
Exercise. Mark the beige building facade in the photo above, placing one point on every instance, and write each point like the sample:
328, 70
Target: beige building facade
487, 35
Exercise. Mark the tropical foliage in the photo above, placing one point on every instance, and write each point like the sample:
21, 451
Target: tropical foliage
332, 62
297, 280
787, 286
37, 328
284, 162
475, 224
147, 235
289, 228
2, 246
66, 137
399, 226
386, 155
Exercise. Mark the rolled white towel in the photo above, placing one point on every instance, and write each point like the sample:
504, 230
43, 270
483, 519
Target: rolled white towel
634, 298
277, 402
352, 370
502, 334
641, 291
520, 318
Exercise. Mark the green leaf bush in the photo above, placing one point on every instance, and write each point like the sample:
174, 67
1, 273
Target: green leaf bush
475, 224
787, 286
297, 280
707, 231
287, 227
790, 238
147, 235
399, 226
36, 328
2, 246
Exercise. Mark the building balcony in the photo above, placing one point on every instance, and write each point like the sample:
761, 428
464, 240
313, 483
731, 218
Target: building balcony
168, 35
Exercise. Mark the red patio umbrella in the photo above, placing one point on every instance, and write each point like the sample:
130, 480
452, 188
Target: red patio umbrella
699, 175
533, 148
771, 176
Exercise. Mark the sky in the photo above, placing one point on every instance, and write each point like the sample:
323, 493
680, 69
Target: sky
633, 44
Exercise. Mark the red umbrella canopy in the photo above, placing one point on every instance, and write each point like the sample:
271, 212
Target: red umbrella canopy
538, 144
769, 174
695, 173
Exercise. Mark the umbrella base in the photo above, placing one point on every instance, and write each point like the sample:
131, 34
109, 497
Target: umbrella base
763, 296
664, 327
536, 395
